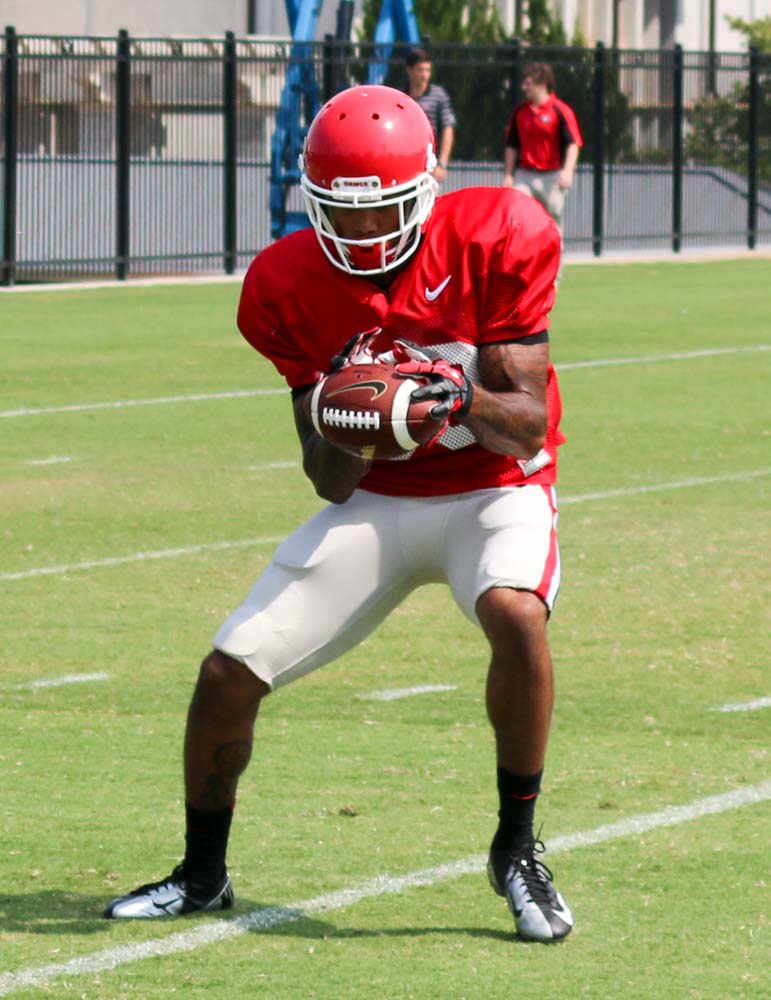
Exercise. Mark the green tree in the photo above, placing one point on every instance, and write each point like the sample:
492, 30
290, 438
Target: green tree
544, 28
756, 32
450, 21
719, 124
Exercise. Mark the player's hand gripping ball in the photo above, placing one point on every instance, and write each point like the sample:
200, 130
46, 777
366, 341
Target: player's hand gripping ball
368, 410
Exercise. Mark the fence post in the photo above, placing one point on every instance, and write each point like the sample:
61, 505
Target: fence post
343, 27
598, 176
11, 132
677, 147
122, 154
516, 57
752, 150
230, 154
336, 52
327, 68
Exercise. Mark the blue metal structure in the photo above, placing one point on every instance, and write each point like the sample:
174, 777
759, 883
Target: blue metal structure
301, 98
394, 15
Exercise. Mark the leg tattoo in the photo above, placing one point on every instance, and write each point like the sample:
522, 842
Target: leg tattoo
230, 760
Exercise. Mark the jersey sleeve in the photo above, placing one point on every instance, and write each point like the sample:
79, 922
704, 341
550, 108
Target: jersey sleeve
569, 130
520, 289
511, 137
262, 326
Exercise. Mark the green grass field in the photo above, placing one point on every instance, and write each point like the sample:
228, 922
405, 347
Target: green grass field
663, 618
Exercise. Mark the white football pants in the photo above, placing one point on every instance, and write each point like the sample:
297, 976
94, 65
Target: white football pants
331, 582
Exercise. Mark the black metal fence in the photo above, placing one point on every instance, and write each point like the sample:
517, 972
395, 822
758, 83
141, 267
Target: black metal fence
126, 156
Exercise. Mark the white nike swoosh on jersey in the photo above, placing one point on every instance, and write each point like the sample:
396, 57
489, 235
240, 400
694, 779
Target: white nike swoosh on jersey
434, 293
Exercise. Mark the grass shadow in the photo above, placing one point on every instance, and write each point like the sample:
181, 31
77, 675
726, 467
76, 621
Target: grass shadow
51, 912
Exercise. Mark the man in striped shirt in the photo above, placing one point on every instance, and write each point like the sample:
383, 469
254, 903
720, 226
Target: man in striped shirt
436, 103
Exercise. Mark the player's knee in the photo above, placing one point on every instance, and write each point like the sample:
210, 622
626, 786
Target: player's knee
225, 681
511, 616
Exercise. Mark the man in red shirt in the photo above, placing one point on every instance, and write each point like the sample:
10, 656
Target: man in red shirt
460, 287
542, 142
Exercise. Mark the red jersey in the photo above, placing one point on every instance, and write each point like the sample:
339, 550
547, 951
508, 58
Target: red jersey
542, 134
484, 273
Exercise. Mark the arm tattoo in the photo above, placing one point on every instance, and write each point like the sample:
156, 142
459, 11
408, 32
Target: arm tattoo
510, 418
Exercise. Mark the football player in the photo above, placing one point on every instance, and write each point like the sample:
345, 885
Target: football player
457, 289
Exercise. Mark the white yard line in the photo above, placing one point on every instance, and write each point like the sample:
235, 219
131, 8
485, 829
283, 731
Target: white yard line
156, 401
677, 484
393, 694
272, 465
53, 460
50, 682
189, 550
249, 393
205, 934
711, 352
745, 706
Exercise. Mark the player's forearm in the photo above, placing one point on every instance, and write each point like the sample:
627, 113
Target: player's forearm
509, 161
508, 423
335, 474
571, 158
508, 408
445, 145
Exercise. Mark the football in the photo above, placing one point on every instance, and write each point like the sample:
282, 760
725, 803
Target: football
368, 410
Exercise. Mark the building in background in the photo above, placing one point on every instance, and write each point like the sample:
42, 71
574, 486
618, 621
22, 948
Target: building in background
698, 25
628, 24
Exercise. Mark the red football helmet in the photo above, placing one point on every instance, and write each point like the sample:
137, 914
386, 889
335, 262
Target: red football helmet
369, 146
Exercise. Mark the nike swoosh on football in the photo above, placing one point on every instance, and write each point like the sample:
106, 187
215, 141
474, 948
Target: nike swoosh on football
376, 387
434, 293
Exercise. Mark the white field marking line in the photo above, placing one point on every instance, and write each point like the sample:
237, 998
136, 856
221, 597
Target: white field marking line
678, 484
382, 885
53, 460
248, 393
393, 694
745, 706
158, 400
654, 358
51, 682
189, 550
272, 465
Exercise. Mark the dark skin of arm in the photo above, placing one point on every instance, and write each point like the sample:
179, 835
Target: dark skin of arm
507, 416
335, 474
508, 412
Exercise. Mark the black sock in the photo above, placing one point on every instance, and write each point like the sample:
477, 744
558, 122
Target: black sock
206, 843
518, 794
